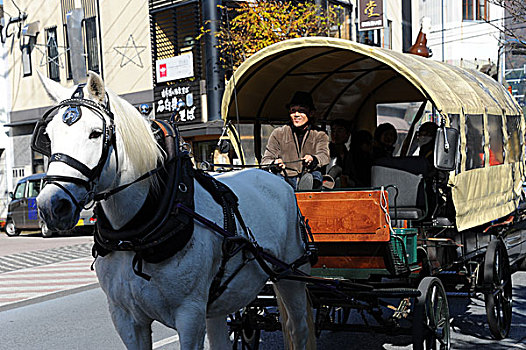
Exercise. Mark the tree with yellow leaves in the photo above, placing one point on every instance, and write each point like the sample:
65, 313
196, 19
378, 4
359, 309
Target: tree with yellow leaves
253, 26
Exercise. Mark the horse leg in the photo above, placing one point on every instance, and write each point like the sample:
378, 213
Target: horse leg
298, 324
217, 332
135, 335
190, 324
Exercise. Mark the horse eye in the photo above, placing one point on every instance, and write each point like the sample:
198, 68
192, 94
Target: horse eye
95, 134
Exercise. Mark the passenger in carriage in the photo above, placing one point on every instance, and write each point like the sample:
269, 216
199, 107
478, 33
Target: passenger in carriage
350, 167
385, 137
425, 139
361, 152
298, 148
339, 165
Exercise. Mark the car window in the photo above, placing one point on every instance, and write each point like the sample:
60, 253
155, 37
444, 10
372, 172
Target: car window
33, 188
20, 190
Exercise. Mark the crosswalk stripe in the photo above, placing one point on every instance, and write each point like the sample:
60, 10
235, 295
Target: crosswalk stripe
44, 257
37, 281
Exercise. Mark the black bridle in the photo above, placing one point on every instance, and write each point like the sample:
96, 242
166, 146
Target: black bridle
41, 143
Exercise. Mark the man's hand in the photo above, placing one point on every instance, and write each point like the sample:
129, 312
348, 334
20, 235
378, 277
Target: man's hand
279, 163
308, 159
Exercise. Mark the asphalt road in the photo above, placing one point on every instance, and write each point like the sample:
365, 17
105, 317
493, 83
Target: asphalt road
81, 321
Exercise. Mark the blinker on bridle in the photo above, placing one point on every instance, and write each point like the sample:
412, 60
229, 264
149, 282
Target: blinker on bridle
41, 143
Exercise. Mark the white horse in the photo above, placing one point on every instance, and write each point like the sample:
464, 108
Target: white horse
178, 291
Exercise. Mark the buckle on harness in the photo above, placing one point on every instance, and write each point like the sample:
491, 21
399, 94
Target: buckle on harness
125, 245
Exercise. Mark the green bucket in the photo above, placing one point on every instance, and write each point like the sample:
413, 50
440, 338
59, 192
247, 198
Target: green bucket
405, 238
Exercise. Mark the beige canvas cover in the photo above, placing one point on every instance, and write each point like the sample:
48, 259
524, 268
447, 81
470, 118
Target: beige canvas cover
348, 79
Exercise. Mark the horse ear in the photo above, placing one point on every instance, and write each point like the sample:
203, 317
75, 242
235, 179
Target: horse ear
54, 90
96, 86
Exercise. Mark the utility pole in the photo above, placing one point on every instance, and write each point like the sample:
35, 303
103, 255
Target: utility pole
215, 77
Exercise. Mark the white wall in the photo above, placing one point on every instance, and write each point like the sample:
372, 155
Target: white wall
466, 43
6, 173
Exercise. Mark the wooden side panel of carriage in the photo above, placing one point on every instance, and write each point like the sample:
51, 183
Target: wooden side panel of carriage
349, 227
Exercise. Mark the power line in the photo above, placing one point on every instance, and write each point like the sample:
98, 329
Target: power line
470, 25
469, 37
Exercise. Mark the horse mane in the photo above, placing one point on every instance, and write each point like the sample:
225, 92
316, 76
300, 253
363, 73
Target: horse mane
137, 138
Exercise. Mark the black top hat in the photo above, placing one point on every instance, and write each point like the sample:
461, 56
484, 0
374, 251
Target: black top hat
301, 98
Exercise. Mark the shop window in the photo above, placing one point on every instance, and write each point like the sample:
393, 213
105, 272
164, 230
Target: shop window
496, 140
513, 153
52, 54
370, 37
474, 142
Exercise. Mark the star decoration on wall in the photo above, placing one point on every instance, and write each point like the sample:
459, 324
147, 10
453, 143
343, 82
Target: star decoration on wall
44, 49
130, 53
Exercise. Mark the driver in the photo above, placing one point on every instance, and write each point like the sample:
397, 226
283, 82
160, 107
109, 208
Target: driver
298, 147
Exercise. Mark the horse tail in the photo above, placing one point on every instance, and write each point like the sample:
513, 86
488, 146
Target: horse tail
284, 315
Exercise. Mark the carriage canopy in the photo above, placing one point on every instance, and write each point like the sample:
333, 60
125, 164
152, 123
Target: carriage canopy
349, 80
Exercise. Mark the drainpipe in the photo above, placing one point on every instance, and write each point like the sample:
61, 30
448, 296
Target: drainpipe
76, 45
407, 25
215, 77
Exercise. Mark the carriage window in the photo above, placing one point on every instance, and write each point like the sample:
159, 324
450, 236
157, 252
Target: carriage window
454, 122
400, 115
246, 133
474, 142
514, 140
496, 140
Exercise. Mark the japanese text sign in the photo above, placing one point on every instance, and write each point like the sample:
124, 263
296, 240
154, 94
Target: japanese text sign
371, 14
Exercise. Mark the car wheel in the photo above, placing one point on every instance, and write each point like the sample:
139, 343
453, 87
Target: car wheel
46, 232
10, 229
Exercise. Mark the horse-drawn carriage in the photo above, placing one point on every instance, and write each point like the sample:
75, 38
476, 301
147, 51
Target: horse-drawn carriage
411, 236
162, 253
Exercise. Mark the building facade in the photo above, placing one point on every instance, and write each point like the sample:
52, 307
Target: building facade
62, 39
466, 33
148, 53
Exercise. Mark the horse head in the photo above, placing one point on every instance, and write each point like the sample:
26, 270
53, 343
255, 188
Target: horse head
87, 155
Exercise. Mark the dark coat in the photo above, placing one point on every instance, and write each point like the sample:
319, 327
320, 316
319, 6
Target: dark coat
282, 143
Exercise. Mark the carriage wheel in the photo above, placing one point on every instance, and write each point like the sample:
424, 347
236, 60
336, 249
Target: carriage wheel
431, 329
498, 293
246, 337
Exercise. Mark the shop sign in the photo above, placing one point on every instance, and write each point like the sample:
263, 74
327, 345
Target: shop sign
181, 98
371, 14
174, 68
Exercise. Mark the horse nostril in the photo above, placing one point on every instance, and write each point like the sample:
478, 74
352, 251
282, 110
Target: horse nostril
62, 208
